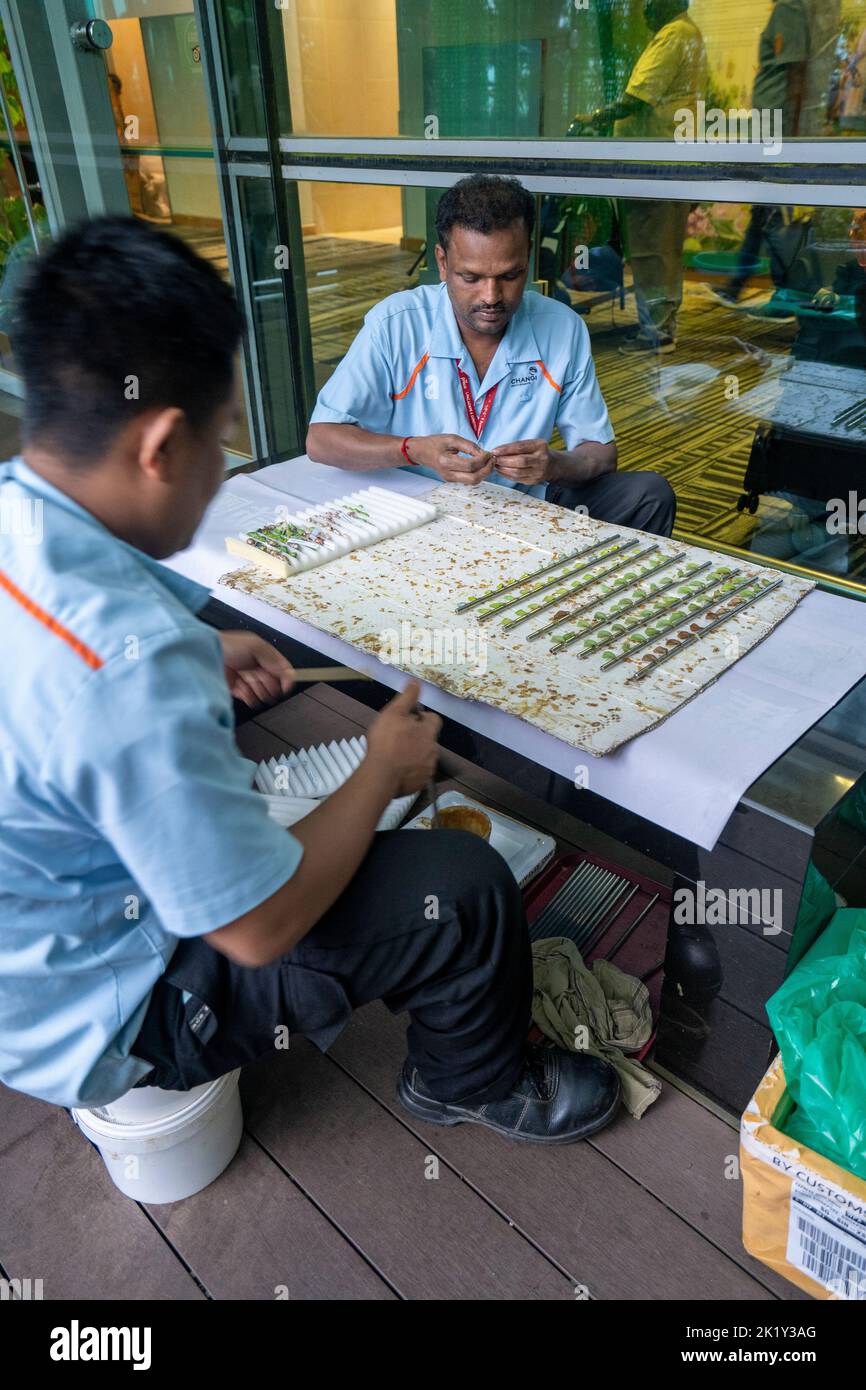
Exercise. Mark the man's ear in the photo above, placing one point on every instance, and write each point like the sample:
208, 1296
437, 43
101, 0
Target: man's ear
440, 261
158, 442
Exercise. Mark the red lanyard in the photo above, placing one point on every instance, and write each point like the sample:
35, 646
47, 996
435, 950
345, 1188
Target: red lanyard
476, 421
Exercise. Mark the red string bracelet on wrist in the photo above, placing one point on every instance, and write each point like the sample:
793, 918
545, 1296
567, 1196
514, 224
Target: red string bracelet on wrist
405, 452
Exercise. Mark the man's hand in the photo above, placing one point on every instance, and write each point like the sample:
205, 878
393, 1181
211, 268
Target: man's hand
446, 455
402, 742
528, 461
255, 671
598, 121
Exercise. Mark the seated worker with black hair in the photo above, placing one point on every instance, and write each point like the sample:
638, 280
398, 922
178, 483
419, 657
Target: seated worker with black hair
466, 380
156, 926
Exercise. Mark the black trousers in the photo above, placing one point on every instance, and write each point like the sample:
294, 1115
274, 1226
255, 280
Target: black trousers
432, 923
644, 500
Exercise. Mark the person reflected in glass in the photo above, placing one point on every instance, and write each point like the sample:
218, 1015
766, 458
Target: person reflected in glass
469, 380
850, 97
669, 77
796, 54
131, 162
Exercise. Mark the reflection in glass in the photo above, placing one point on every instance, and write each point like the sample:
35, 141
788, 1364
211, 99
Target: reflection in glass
500, 69
156, 85
23, 219
762, 401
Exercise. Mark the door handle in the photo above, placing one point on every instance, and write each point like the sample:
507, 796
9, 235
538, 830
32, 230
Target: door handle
91, 35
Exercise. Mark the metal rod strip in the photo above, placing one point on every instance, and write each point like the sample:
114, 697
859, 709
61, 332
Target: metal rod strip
570, 897
600, 887
534, 574
642, 622
560, 579
638, 603
696, 613
581, 873
609, 955
710, 627
601, 908
607, 919
629, 560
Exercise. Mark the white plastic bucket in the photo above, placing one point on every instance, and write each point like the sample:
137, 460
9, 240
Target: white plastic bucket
160, 1146
144, 1104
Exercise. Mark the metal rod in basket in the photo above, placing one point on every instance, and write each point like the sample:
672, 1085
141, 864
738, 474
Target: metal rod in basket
568, 897
606, 919
617, 946
574, 886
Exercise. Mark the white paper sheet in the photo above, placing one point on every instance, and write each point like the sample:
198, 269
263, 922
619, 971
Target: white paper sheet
686, 775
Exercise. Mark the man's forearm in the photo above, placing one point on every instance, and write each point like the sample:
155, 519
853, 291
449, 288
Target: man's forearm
586, 461
627, 105
350, 446
336, 837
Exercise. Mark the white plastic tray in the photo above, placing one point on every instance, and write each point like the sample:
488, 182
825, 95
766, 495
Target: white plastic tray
295, 784
386, 515
525, 851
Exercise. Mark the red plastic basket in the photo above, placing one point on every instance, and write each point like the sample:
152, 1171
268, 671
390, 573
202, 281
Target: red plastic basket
644, 949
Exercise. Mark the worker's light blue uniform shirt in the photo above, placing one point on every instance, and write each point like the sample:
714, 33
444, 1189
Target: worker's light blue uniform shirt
127, 819
400, 377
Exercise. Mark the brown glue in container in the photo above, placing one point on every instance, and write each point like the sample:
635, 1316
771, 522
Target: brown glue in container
464, 818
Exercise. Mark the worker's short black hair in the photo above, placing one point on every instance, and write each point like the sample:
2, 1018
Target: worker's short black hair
484, 203
114, 319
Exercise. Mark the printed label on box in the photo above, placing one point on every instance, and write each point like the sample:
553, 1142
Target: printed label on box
827, 1241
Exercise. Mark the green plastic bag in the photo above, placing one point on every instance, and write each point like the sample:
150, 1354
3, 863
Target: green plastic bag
819, 1019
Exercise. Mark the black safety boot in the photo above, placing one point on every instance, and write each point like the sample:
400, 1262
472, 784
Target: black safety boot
693, 966
558, 1097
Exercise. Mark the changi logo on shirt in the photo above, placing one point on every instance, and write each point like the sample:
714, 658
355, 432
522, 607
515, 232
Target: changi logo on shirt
526, 378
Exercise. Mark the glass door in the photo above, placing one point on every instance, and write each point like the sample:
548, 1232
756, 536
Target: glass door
158, 93
23, 226
135, 106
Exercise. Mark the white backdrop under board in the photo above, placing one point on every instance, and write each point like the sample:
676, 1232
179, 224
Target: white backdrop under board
686, 775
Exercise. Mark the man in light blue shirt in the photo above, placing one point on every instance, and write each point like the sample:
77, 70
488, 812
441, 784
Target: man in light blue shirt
467, 380
156, 926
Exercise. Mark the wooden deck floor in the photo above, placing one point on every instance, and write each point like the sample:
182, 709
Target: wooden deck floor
331, 1194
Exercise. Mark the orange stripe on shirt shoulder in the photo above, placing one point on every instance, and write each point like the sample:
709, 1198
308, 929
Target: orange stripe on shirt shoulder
547, 375
80, 648
398, 395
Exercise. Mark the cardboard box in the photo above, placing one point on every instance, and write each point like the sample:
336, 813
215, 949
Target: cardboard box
803, 1215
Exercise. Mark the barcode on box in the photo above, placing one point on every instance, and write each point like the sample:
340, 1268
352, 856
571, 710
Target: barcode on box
827, 1243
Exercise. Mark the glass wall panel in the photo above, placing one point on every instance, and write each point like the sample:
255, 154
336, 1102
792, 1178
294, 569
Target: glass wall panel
156, 83
23, 219
350, 265
277, 376
630, 68
729, 342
